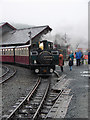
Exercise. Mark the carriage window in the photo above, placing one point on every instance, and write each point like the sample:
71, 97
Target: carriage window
26, 52
8, 51
18, 52
3, 52
12, 51
22, 51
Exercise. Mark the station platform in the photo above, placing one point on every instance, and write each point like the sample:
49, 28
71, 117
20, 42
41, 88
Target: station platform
75, 103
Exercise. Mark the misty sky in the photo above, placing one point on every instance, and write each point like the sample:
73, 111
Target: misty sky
63, 16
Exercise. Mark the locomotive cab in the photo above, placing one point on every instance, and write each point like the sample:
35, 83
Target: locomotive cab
43, 58
46, 45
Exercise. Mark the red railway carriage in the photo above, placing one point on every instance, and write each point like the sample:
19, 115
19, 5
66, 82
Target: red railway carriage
22, 54
19, 54
7, 54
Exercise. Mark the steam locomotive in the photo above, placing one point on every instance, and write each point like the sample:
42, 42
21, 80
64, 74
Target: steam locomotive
44, 59
40, 56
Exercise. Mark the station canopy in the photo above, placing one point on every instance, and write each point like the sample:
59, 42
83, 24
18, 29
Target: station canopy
23, 36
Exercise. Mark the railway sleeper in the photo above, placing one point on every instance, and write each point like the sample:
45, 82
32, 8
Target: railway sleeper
23, 117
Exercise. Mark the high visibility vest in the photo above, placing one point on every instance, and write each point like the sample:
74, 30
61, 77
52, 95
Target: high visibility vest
85, 56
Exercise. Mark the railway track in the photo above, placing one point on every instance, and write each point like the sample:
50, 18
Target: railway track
6, 70
9, 72
51, 97
36, 104
30, 106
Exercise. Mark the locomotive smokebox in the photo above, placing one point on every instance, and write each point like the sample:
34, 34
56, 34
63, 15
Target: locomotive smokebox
45, 57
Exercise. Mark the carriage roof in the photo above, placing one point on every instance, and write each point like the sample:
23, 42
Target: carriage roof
12, 47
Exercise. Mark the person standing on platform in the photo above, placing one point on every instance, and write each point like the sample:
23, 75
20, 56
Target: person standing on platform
89, 61
70, 63
71, 56
61, 62
78, 57
89, 57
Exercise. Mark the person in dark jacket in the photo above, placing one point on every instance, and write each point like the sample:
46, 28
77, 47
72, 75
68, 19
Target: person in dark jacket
78, 57
89, 57
70, 63
71, 56
89, 61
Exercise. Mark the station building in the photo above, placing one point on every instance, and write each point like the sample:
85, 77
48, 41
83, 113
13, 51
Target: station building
11, 36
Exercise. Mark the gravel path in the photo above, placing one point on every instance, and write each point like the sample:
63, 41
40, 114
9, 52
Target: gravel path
2, 70
16, 87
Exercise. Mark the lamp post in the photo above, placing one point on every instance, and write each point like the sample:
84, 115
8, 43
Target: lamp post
30, 37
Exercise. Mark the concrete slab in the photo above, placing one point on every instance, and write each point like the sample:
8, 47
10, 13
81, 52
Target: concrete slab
61, 84
59, 109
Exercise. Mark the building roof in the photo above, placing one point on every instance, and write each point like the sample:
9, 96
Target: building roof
1, 24
6, 23
22, 36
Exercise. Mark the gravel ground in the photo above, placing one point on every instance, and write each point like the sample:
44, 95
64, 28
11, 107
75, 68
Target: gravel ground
2, 70
16, 87
78, 107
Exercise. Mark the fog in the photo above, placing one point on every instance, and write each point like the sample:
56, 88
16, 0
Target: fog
63, 16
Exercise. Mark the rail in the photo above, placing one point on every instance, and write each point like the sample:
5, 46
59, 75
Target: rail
25, 99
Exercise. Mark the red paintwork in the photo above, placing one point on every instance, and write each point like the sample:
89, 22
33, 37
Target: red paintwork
6, 58
18, 59
22, 59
